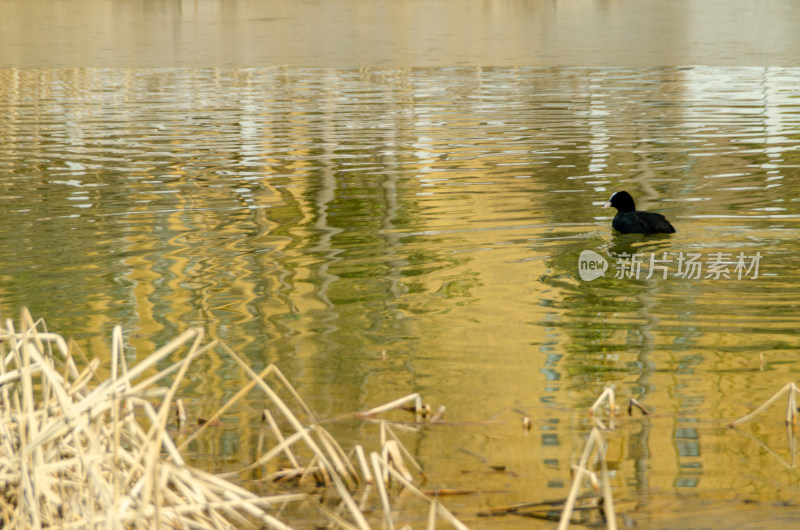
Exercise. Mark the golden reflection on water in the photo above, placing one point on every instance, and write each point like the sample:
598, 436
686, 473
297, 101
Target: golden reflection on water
315, 218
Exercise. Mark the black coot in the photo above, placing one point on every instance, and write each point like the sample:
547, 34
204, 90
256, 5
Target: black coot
630, 221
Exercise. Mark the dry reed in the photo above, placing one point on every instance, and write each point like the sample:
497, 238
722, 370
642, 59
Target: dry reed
791, 405
790, 419
595, 445
78, 450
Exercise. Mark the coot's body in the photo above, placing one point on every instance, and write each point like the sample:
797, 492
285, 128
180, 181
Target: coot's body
630, 221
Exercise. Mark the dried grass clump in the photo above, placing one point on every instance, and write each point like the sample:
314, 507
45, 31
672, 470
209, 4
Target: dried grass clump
78, 451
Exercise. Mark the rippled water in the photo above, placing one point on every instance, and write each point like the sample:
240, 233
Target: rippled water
317, 217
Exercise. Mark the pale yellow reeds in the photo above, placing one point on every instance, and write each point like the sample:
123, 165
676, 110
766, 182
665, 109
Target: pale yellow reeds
595, 445
80, 451
791, 405
790, 419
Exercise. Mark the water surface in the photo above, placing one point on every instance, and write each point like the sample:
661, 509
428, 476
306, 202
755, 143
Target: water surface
316, 218
398, 33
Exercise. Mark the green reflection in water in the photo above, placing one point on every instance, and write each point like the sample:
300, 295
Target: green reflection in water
315, 218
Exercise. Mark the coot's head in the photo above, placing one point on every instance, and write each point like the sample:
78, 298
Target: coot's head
622, 201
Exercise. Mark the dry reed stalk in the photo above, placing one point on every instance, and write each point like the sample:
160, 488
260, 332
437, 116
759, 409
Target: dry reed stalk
438, 415
154, 441
316, 470
392, 458
180, 414
73, 453
606, 396
436, 506
327, 467
342, 464
397, 403
385, 431
67, 438
432, 517
282, 447
381, 471
267, 416
595, 444
610, 513
362, 462
634, 403
791, 408
210, 421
